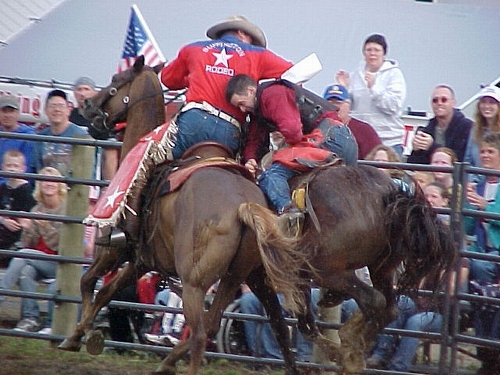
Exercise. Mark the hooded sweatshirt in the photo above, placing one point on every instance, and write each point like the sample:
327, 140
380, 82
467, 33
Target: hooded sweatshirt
381, 105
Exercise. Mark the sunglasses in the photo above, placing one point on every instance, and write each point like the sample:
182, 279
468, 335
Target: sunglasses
440, 99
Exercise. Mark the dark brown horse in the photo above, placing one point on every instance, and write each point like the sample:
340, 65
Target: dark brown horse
215, 227
359, 217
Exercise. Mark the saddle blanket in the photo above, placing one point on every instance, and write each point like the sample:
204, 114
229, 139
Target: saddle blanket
133, 172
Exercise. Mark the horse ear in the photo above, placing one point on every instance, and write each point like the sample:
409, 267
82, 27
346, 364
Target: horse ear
157, 69
139, 63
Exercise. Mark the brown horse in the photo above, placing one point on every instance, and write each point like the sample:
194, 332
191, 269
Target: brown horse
359, 217
215, 227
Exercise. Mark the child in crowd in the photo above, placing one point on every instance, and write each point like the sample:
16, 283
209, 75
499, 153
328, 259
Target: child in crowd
15, 195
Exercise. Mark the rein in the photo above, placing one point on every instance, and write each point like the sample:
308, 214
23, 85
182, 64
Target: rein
103, 117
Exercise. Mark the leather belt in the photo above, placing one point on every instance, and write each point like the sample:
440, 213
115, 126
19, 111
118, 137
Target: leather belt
204, 106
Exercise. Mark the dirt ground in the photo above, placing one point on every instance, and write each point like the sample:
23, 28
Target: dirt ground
20, 356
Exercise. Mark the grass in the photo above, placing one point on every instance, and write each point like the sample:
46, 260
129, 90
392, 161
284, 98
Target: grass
20, 356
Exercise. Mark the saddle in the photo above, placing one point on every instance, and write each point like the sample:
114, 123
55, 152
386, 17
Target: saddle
300, 185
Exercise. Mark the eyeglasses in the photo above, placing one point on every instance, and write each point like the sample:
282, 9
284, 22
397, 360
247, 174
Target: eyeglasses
57, 105
440, 99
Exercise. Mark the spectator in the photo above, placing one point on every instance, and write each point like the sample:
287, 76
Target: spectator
387, 154
57, 155
444, 157
16, 195
448, 128
485, 196
365, 135
487, 120
260, 337
39, 237
143, 291
310, 127
85, 88
378, 92
422, 178
438, 195
204, 68
9, 117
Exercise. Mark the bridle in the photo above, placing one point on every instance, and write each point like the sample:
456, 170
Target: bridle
102, 125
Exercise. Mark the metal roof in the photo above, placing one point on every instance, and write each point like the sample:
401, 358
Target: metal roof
18, 15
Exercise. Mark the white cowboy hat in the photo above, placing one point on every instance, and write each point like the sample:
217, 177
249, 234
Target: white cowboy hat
238, 23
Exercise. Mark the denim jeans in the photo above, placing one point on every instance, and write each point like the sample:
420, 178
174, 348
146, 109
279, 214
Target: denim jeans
196, 125
484, 270
339, 139
26, 273
260, 337
399, 353
274, 184
274, 180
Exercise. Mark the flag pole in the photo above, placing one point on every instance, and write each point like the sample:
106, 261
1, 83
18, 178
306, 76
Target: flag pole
148, 32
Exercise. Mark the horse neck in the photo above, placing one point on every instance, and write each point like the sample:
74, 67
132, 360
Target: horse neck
141, 120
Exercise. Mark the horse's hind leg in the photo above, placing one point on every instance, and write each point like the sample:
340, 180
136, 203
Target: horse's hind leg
106, 259
270, 301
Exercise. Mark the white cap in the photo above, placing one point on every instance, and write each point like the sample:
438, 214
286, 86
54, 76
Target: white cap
491, 91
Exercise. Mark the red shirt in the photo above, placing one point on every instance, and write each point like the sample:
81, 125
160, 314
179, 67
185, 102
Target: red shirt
205, 68
278, 104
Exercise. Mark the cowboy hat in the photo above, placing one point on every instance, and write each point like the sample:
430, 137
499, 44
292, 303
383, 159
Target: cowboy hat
238, 23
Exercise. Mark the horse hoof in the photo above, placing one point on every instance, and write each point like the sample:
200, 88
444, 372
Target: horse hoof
70, 345
94, 342
354, 363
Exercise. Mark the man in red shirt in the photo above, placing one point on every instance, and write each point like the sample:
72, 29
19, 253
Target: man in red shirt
310, 127
205, 67
237, 46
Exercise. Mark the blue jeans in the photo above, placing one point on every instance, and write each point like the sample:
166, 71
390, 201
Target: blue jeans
339, 139
274, 180
196, 125
260, 337
400, 353
26, 273
484, 270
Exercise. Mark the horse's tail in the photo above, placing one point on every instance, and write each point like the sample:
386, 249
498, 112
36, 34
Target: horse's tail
279, 253
422, 240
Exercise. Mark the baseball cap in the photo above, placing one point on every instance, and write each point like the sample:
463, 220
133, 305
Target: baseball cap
9, 101
490, 91
336, 91
84, 81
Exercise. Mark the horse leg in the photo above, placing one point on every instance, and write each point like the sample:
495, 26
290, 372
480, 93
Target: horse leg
270, 301
353, 334
106, 259
94, 339
193, 298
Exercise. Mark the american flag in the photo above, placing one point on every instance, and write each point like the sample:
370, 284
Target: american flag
139, 41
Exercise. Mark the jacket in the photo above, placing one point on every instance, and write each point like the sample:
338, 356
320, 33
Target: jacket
380, 106
456, 136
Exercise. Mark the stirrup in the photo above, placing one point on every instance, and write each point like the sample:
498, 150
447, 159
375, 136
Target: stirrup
116, 238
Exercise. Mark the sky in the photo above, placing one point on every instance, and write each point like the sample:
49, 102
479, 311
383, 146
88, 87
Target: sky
433, 43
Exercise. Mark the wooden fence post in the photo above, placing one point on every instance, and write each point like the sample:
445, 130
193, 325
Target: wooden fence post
65, 314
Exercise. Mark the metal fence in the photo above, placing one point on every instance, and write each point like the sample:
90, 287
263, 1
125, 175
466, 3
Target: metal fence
451, 338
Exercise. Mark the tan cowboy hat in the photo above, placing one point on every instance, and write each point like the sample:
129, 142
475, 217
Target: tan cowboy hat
238, 23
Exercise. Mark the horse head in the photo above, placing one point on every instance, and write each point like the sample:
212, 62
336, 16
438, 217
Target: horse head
127, 89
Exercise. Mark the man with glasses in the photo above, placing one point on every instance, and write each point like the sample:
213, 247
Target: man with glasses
448, 128
57, 155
